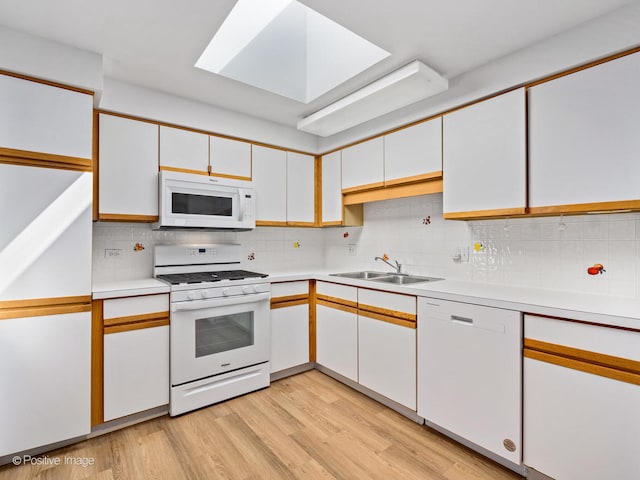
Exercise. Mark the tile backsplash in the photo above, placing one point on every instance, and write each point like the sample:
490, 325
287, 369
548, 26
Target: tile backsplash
546, 252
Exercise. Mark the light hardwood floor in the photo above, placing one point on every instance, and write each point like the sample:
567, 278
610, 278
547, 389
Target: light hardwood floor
304, 427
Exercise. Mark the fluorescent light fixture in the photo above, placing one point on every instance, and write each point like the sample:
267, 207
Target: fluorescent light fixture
287, 48
400, 88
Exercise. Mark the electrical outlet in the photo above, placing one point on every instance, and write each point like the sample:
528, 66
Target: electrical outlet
352, 249
112, 252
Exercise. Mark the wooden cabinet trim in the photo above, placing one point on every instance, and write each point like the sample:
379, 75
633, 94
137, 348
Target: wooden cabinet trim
301, 224
97, 364
130, 319
424, 187
225, 175
388, 318
268, 223
337, 306
312, 320
95, 153
44, 306
498, 213
416, 178
184, 170
585, 361
46, 82
289, 301
159, 319
362, 188
579, 208
584, 322
411, 317
28, 158
337, 300
121, 217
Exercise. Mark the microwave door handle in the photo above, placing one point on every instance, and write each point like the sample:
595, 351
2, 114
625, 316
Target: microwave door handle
242, 204
219, 302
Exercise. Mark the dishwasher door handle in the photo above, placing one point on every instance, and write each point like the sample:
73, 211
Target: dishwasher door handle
462, 320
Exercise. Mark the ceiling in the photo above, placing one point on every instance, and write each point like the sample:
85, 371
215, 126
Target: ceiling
155, 43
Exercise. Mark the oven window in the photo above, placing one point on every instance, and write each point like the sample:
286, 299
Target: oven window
224, 333
201, 204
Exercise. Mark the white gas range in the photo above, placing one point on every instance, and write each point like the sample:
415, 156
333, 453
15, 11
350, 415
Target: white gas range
220, 331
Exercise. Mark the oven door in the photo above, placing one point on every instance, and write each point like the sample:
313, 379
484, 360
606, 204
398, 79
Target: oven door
209, 337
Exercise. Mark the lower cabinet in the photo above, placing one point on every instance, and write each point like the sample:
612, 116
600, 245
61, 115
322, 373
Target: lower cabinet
45, 371
289, 325
581, 400
337, 329
136, 354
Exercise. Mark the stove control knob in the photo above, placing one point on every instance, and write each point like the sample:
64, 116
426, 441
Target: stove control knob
248, 289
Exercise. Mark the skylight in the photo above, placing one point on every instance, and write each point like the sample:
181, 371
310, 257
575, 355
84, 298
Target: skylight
287, 48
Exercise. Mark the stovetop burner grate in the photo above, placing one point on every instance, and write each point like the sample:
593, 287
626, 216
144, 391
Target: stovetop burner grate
203, 277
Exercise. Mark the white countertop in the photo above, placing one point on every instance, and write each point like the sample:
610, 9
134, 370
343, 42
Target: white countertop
606, 310
129, 288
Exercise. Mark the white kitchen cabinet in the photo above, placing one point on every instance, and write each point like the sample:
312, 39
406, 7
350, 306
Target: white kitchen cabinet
136, 354
363, 164
584, 146
45, 238
581, 417
184, 149
470, 373
332, 188
270, 183
46, 119
45, 369
413, 152
387, 345
484, 160
230, 158
337, 329
128, 168
289, 325
300, 188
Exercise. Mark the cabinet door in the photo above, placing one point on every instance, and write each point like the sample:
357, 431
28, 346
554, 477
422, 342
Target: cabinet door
136, 371
584, 145
387, 359
484, 161
300, 188
128, 167
184, 149
270, 183
230, 158
363, 165
337, 341
45, 119
289, 337
45, 369
45, 233
332, 188
413, 152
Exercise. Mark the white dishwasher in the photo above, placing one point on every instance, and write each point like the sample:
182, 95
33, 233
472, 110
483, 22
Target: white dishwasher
470, 373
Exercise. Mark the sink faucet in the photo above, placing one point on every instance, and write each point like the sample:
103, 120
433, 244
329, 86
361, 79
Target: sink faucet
385, 259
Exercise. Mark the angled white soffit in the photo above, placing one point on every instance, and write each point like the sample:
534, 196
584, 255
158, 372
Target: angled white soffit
287, 48
400, 88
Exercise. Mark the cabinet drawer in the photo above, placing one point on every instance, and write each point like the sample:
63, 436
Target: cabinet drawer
130, 306
592, 338
337, 291
287, 289
386, 302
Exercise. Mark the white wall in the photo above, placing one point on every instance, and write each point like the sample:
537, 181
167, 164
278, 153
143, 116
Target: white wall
45, 59
134, 100
594, 39
526, 252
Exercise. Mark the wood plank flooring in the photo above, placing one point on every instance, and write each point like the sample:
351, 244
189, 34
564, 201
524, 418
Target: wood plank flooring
303, 427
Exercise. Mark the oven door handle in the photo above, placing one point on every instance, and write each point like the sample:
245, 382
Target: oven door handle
219, 302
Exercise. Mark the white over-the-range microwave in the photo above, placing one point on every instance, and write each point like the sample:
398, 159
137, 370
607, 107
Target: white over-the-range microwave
189, 200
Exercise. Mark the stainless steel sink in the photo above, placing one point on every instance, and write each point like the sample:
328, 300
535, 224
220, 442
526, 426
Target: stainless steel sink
386, 277
405, 279
365, 275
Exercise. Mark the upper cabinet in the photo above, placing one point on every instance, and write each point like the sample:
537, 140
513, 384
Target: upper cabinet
300, 189
363, 165
45, 119
270, 182
413, 153
230, 158
584, 147
128, 169
332, 189
184, 150
484, 159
